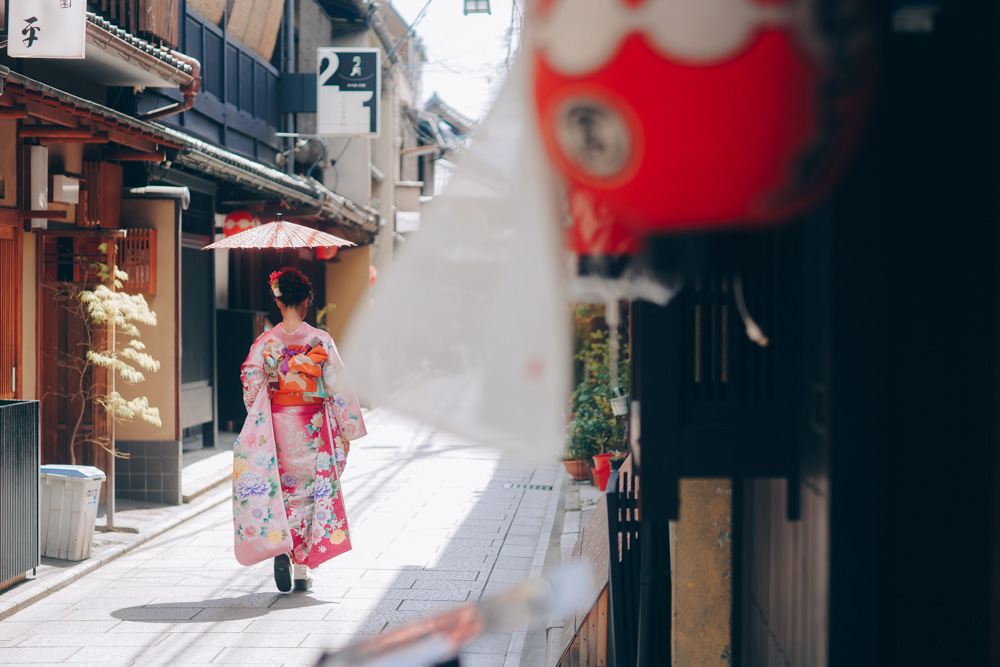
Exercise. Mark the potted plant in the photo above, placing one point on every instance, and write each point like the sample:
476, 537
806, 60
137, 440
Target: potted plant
576, 462
595, 428
617, 459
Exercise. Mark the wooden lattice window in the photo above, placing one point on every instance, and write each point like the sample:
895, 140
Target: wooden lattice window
137, 258
72, 259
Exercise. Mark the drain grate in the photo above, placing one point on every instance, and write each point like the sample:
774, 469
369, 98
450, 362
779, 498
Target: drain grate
531, 487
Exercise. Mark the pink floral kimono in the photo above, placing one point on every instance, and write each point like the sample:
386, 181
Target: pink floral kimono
290, 454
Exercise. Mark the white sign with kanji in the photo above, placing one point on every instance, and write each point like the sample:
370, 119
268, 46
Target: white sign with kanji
46, 28
349, 89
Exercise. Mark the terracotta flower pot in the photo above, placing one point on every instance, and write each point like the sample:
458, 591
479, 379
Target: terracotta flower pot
601, 460
578, 469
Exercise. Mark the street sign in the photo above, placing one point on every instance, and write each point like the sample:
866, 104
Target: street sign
46, 28
349, 89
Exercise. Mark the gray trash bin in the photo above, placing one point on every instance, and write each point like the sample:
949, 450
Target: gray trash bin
68, 510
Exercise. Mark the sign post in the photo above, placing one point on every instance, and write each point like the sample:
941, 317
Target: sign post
349, 91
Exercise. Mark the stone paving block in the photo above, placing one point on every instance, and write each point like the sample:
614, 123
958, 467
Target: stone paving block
463, 563
469, 543
521, 529
518, 551
521, 540
527, 521
507, 576
153, 613
185, 627
536, 512
76, 627
314, 613
396, 619
396, 579
490, 642
429, 606
43, 611
214, 614
471, 588
369, 626
444, 582
262, 599
480, 660
495, 588
278, 656
408, 594
447, 575
225, 639
27, 656
17, 630
364, 604
513, 563
476, 531
90, 639
143, 655
332, 641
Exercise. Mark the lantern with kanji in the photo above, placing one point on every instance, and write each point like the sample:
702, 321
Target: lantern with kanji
239, 221
669, 116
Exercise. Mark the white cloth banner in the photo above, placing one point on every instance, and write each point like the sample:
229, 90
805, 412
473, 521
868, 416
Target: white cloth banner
46, 28
468, 330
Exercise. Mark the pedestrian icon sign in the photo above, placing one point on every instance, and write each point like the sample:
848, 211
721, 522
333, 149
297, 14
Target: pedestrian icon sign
349, 85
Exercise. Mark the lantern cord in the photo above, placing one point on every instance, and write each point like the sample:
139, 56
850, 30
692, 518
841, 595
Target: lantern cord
754, 332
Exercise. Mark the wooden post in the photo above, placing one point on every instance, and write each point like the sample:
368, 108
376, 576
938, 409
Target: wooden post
110, 502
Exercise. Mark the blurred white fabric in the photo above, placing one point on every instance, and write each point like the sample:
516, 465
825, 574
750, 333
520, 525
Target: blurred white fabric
469, 331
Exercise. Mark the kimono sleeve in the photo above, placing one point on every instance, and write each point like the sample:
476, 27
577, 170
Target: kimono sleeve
252, 372
340, 395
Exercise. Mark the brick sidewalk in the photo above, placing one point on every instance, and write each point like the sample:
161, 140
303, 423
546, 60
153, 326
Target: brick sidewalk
435, 522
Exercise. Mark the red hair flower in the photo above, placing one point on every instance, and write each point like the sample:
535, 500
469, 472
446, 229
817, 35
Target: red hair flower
273, 282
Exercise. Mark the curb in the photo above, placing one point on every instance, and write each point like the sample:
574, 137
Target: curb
38, 591
516, 650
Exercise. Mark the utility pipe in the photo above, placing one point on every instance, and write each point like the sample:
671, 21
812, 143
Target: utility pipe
188, 90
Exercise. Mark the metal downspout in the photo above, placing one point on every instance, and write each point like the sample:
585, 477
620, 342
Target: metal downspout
290, 61
189, 91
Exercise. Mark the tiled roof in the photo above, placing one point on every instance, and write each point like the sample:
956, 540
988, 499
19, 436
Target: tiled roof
207, 158
140, 44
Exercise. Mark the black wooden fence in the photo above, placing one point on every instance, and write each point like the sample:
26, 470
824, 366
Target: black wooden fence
623, 574
19, 474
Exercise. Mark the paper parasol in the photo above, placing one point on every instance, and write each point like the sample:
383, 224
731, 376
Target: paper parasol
280, 234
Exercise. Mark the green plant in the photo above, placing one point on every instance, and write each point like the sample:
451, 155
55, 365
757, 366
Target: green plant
108, 314
593, 428
323, 313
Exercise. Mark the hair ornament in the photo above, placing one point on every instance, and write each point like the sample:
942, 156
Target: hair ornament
273, 283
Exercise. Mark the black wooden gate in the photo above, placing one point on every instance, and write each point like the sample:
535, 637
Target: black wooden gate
19, 474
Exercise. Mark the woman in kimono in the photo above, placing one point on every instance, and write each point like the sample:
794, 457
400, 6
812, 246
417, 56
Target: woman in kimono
302, 415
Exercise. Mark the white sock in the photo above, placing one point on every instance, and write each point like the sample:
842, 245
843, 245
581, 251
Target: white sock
300, 571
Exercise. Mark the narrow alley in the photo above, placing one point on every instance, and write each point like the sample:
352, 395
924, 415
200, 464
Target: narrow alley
435, 523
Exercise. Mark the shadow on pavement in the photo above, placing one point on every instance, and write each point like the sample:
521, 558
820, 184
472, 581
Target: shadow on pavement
252, 605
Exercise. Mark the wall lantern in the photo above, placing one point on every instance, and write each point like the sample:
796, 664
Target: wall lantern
476, 7
239, 221
669, 116
326, 252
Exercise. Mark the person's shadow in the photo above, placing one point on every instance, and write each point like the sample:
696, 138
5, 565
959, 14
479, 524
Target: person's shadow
252, 605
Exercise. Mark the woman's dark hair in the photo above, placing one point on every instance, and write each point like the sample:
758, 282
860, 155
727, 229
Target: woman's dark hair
294, 287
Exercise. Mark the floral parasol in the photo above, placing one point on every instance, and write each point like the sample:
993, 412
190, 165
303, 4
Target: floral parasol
280, 234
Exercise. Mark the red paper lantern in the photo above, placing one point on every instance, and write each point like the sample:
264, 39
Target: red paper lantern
239, 221
327, 253
682, 115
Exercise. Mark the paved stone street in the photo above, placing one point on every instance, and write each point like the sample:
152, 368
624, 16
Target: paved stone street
435, 523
